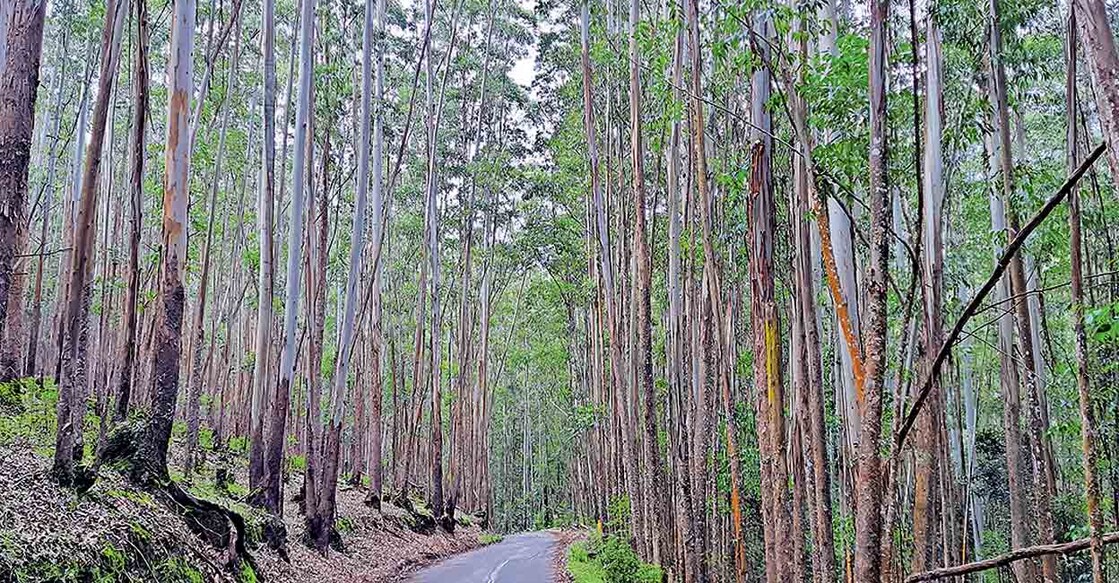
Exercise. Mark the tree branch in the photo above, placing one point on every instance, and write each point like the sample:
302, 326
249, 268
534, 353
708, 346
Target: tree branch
973, 306
1015, 555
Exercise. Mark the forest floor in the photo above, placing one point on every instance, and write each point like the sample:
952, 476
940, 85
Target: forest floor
376, 546
116, 532
564, 540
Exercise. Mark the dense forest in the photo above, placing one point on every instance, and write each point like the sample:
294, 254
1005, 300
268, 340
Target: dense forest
814, 290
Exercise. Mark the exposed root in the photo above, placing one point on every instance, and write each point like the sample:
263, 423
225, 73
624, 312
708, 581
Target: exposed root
373, 500
220, 527
418, 522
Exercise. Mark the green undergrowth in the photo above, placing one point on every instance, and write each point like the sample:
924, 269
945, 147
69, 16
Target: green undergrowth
114, 531
609, 559
28, 414
489, 538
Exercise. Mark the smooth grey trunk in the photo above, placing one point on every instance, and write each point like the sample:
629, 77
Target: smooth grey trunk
265, 230
277, 433
376, 469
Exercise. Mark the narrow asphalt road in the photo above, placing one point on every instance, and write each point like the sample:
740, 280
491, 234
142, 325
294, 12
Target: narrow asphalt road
520, 558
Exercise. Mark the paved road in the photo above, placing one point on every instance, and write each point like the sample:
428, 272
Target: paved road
520, 558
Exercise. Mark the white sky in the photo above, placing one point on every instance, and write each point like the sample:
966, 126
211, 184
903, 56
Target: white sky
523, 72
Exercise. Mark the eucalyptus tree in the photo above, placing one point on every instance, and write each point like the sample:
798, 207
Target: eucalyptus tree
75, 325
652, 477
927, 530
1043, 488
376, 465
151, 462
140, 96
868, 485
1098, 36
265, 229
320, 515
1088, 430
281, 396
21, 36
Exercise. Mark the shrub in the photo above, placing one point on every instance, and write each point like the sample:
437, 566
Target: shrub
582, 567
609, 559
618, 559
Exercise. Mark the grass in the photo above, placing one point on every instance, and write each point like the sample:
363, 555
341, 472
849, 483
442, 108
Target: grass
583, 569
489, 538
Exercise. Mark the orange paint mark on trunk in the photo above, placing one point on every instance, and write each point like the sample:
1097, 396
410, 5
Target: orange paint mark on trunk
736, 511
841, 309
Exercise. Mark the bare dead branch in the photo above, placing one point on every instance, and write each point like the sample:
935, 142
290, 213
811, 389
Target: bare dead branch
973, 306
1017, 554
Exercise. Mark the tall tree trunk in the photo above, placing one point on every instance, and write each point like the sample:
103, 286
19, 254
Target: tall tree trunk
768, 374
1097, 34
74, 382
21, 35
320, 526
1043, 488
431, 213
1088, 431
70, 204
281, 398
140, 96
316, 318
266, 279
717, 332
805, 274
868, 479
1011, 395
927, 534
604, 251
171, 301
655, 492
376, 466
676, 342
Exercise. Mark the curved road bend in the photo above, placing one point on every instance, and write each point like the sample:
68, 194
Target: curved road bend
520, 558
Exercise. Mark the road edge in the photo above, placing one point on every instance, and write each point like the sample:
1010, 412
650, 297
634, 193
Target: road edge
564, 538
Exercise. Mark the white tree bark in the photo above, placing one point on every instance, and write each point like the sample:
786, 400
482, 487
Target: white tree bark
345, 340
281, 399
5, 9
375, 466
265, 233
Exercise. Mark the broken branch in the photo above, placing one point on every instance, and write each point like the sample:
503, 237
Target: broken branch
1012, 248
1015, 555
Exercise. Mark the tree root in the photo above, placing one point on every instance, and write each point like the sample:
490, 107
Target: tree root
417, 522
373, 500
218, 526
